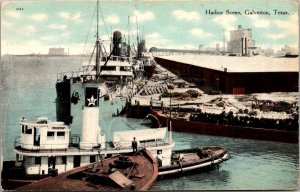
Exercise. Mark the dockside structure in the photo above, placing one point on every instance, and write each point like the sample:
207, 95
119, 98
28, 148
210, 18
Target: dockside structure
236, 75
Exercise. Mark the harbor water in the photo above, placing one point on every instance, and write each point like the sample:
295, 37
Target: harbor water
28, 90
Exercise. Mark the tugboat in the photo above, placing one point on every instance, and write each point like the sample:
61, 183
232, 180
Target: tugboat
47, 148
135, 171
194, 160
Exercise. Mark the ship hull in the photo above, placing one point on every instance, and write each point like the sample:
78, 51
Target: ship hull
149, 70
70, 100
182, 125
13, 177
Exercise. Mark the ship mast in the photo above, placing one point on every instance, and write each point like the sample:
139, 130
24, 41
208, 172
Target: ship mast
97, 44
128, 38
137, 37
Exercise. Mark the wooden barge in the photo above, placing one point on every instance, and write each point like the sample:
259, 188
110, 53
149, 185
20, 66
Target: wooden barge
185, 125
137, 171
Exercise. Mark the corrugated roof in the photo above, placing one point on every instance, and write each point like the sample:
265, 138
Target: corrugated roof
235, 64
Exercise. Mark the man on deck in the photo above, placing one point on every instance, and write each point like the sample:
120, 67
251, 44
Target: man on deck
134, 145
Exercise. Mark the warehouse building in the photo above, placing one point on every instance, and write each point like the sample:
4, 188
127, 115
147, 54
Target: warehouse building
236, 75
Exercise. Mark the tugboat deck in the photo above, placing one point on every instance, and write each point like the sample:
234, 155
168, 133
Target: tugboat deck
94, 151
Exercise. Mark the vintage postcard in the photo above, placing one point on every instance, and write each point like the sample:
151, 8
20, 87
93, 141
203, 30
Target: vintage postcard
150, 95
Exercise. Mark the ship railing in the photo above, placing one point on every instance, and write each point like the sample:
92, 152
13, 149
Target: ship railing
157, 143
116, 73
120, 58
78, 76
62, 76
37, 148
142, 144
52, 148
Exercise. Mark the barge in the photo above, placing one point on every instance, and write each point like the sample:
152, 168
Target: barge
135, 171
217, 129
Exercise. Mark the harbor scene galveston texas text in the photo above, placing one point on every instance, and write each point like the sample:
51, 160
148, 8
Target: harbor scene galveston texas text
150, 95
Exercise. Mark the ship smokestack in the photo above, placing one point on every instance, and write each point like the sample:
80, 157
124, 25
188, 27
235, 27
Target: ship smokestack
90, 120
117, 43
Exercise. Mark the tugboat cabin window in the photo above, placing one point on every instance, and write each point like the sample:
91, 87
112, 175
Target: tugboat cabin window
159, 151
64, 159
125, 68
108, 68
28, 130
60, 135
59, 160
23, 128
50, 135
92, 158
37, 160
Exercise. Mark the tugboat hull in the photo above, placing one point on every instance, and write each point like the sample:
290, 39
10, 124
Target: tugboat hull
194, 160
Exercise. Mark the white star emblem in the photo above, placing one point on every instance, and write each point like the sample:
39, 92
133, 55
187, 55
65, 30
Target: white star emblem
92, 101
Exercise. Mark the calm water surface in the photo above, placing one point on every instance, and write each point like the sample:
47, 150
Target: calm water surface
29, 90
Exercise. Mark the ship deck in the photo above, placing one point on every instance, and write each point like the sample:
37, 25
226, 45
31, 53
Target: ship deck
94, 151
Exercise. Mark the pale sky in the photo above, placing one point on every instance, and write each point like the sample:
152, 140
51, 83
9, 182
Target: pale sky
35, 26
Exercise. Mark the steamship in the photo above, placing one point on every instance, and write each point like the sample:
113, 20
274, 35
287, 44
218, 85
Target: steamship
145, 60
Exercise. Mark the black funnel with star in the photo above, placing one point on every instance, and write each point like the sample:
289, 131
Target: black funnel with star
91, 97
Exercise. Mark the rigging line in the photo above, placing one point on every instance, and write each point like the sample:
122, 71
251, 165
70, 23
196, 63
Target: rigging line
88, 35
89, 29
104, 22
90, 60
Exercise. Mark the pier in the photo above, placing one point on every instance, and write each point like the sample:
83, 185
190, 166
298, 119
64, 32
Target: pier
262, 116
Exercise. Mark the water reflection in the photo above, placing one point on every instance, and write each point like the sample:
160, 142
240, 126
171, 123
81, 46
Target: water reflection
195, 181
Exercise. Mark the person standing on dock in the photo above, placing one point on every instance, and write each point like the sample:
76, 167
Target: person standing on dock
134, 145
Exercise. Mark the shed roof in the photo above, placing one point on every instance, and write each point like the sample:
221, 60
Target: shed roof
236, 64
